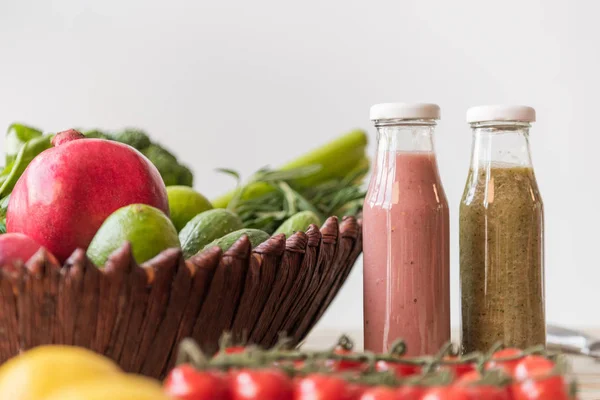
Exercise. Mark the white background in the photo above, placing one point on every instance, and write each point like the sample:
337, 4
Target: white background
241, 84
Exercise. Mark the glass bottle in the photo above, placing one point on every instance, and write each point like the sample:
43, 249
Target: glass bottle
406, 234
501, 234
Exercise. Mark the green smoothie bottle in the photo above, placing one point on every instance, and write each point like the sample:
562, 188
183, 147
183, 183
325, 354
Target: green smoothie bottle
501, 234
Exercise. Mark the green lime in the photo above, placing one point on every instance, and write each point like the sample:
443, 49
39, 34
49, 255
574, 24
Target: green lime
206, 227
184, 204
147, 228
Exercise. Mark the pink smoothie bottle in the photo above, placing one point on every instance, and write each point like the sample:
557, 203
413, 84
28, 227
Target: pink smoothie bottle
406, 234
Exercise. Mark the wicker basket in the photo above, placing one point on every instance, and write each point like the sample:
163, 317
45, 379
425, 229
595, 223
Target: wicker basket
137, 315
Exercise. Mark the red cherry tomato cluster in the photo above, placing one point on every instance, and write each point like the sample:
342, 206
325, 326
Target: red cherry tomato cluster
508, 374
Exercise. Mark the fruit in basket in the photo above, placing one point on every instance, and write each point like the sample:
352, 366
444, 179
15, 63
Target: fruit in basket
37, 373
147, 228
115, 387
67, 192
16, 248
256, 237
206, 227
184, 204
298, 222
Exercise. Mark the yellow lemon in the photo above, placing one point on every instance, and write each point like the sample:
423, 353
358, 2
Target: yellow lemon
114, 387
36, 373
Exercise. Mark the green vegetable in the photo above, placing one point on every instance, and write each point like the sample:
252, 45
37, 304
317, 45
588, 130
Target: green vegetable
134, 137
256, 237
335, 160
4, 206
4, 174
27, 153
340, 196
268, 211
186, 176
206, 227
3, 210
298, 222
95, 134
165, 162
16, 136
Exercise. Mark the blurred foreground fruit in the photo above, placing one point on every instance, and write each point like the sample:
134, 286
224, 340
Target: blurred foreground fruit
115, 387
184, 204
16, 248
147, 228
39, 372
67, 192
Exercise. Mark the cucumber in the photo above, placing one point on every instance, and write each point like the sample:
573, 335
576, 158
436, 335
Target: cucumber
298, 222
256, 237
206, 227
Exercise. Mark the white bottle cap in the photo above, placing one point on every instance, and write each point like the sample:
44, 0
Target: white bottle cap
500, 113
405, 111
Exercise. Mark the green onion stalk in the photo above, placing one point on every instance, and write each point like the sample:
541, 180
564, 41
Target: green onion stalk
335, 159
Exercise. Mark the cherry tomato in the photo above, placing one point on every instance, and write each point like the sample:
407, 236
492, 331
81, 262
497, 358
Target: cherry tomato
535, 389
410, 392
186, 383
458, 369
399, 368
509, 365
344, 365
465, 383
263, 384
533, 367
355, 390
489, 392
380, 393
323, 387
446, 393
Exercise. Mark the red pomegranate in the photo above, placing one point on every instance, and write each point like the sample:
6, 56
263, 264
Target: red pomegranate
67, 192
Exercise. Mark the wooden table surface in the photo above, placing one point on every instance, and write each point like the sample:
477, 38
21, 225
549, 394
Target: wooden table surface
585, 370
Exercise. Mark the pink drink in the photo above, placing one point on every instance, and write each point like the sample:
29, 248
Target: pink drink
406, 250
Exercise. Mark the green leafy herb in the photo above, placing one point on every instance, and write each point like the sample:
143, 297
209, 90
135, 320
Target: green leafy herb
26, 154
281, 199
16, 137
